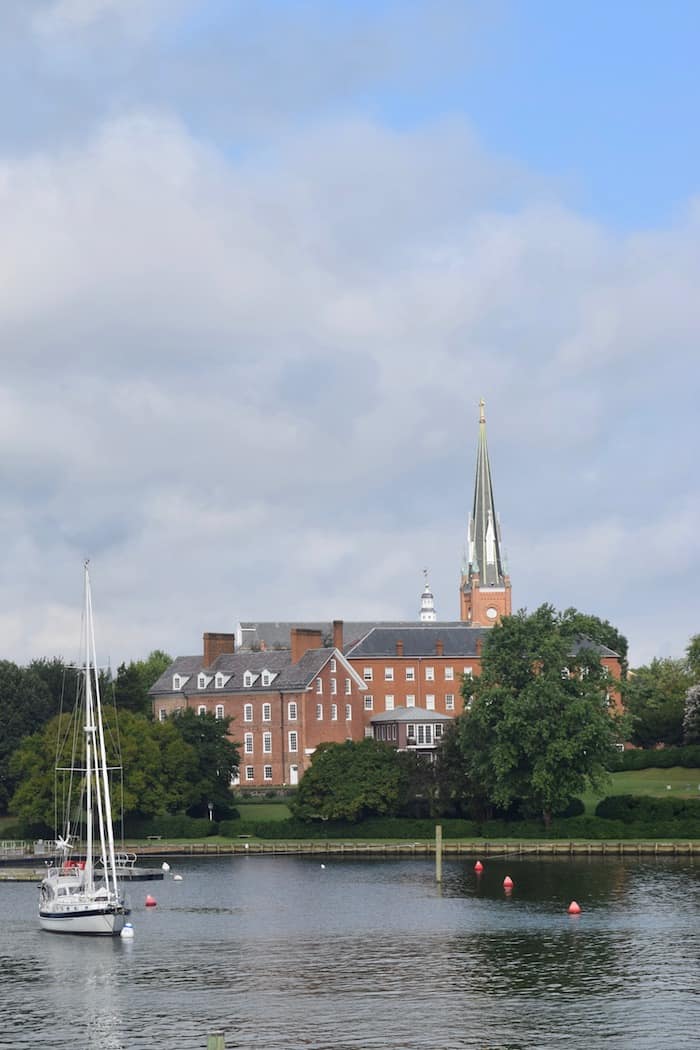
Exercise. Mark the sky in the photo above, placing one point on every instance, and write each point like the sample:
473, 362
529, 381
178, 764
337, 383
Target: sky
259, 261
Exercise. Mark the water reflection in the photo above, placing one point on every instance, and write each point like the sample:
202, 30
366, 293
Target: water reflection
278, 952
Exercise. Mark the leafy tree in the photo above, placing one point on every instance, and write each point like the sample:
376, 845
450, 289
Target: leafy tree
217, 761
351, 781
135, 679
693, 657
540, 729
691, 716
600, 631
61, 680
654, 696
25, 703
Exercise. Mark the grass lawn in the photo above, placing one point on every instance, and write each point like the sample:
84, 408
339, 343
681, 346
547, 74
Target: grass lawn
663, 783
263, 810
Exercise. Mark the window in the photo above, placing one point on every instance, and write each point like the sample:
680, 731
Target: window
348, 712
293, 741
388, 674
248, 679
247, 712
219, 710
369, 702
292, 711
319, 685
334, 712
249, 773
449, 674
178, 681
430, 701
411, 700
468, 672
202, 681
348, 686
430, 674
367, 674
267, 678
162, 715
219, 681
202, 709
267, 712
565, 673
332, 665
424, 734
267, 743
449, 701
267, 772
411, 734
334, 687
369, 731
389, 703
248, 743
319, 712
410, 674
438, 730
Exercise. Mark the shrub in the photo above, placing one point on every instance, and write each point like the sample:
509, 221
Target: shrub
661, 758
173, 826
647, 808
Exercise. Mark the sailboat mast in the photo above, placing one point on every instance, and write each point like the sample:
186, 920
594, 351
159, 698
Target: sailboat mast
105, 809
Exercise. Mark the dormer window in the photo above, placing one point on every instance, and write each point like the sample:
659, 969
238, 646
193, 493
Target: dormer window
221, 679
177, 681
268, 678
248, 679
203, 680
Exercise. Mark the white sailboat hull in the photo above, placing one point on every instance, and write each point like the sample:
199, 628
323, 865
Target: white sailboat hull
95, 921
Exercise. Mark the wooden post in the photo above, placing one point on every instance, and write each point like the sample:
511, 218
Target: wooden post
215, 1041
438, 852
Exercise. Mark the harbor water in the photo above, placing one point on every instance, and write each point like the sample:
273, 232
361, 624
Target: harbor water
280, 953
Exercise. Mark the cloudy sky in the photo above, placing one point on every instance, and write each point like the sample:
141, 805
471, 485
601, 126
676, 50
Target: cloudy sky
259, 260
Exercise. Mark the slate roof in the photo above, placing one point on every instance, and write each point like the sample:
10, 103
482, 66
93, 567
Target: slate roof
419, 640
410, 714
287, 676
276, 634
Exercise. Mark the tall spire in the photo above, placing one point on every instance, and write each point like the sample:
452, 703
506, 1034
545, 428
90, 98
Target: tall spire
485, 586
427, 602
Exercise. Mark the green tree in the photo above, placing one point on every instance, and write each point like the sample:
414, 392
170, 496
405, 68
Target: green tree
351, 781
217, 761
135, 679
691, 716
540, 729
654, 696
692, 653
25, 703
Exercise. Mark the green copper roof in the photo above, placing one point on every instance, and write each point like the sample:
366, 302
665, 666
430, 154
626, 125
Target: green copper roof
485, 556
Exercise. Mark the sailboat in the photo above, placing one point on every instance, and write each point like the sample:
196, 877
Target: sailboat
84, 895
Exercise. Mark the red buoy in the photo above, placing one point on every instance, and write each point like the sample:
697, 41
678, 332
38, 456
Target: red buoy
150, 901
478, 867
574, 908
508, 883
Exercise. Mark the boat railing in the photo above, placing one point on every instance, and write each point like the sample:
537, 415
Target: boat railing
122, 860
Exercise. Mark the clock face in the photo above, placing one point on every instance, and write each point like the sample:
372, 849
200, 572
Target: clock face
491, 612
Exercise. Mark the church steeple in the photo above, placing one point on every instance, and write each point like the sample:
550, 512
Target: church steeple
427, 603
485, 586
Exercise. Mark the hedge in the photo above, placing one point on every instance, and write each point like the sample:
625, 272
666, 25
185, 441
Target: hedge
172, 826
659, 758
647, 808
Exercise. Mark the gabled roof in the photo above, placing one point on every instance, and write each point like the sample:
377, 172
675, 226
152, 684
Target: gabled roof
276, 634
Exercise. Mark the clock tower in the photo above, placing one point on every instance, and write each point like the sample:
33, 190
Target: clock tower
484, 589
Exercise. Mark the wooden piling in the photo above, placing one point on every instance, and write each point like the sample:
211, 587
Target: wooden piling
438, 852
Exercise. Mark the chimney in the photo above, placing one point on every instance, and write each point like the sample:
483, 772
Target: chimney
399, 647
216, 644
439, 647
302, 639
263, 647
338, 634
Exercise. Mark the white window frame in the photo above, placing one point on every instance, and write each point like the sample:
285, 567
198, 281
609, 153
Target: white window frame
319, 712
267, 773
449, 674
368, 702
219, 680
267, 743
449, 701
430, 701
248, 679
468, 672
367, 674
348, 712
293, 741
410, 674
292, 711
219, 711
247, 712
267, 712
202, 709
388, 674
411, 700
430, 674
178, 682
334, 712
201, 681
248, 746
348, 686
332, 665
162, 714
250, 773
334, 686
319, 686
389, 702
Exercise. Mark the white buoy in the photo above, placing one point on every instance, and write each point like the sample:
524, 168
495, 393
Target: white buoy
323, 865
165, 866
127, 931
177, 878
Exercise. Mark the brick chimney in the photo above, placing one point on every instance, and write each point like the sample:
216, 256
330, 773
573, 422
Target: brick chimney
302, 639
216, 644
338, 634
399, 647
439, 647
263, 647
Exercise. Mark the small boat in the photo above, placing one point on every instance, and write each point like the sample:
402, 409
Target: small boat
83, 895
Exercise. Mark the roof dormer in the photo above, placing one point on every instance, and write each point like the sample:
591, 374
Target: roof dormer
220, 679
268, 677
179, 681
203, 680
249, 679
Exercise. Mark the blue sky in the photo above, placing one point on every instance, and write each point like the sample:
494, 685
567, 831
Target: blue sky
261, 260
